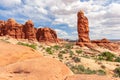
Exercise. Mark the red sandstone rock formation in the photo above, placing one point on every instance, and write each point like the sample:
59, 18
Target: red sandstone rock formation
13, 29
29, 30
46, 35
83, 35
82, 27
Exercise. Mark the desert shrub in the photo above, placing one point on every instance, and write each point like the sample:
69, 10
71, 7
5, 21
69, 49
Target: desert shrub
49, 50
80, 69
106, 56
117, 72
68, 46
89, 71
79, 51
63, 51
60, 56
56, 47
101, 72
28, 45
76, 59
71, 53
117, 59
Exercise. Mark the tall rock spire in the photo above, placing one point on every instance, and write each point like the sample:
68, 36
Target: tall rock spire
82, 27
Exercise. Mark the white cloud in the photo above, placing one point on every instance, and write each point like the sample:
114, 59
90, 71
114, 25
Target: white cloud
103, 15
10, 3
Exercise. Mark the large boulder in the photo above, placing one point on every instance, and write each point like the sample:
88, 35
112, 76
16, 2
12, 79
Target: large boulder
46, 35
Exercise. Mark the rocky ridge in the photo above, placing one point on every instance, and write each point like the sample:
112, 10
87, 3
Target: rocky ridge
27, 31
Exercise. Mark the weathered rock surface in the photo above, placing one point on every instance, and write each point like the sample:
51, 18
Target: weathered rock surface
90, 77
27, 31
23, 63
82, 27
106, 44
12, 28
46, 35
83, 35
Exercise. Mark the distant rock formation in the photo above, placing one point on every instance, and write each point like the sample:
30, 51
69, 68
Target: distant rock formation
27, 31
83, 29
46, 35
83, 35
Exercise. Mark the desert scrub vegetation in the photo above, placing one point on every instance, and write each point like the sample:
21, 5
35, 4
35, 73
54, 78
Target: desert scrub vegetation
117, 59
49, 50
68, 46
76, 59
28, 45
56, 47
108, 56
79, 52
117, 72
80, 69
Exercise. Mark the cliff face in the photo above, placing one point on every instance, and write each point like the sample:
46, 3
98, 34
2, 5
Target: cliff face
27, 31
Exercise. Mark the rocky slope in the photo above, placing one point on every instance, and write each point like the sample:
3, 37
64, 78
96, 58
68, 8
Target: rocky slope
24, 63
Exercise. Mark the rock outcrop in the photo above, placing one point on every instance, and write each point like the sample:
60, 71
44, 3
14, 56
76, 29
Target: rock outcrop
82, 27
46, 35
83, 35
27, 31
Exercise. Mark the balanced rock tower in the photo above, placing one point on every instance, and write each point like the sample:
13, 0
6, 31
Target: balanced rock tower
83, 29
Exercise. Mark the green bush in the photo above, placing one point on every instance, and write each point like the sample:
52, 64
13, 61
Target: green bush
79, 51
60, 56
29, 45
63, 51
117, 59
80, 69
71, 53
49, 50
56, 47
101, 72
117, 72
76, 59
68, 46
106, 56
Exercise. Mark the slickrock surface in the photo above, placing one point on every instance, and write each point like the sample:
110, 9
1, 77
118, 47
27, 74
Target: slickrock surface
23, 63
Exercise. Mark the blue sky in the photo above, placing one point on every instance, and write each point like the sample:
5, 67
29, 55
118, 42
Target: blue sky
103, 15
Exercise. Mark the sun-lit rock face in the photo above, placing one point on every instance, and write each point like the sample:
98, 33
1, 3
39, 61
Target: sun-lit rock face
12, 28
82, 27
27, 31
46, 35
